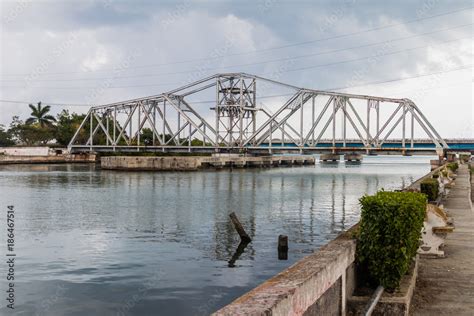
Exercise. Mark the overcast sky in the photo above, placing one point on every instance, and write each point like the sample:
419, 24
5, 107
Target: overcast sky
96, 52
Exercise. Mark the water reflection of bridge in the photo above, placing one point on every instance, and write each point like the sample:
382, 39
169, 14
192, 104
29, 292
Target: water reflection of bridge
224, 113
306, 215
192, 208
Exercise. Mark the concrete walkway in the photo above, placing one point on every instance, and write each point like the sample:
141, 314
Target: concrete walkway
446, 286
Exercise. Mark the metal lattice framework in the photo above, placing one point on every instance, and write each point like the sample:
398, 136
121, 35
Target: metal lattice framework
241, 122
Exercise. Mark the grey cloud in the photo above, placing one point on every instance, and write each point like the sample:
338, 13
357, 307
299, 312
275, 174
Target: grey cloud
109, 31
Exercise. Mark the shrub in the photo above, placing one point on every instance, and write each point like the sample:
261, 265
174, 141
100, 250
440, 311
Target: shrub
390, 230
430, 187
464, 157
453, 166
435, 176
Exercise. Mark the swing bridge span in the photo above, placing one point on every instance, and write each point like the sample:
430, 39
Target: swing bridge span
239, 120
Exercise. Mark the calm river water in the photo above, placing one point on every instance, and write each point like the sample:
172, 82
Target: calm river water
96, 242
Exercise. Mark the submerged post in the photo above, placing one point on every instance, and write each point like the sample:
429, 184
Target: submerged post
239, 228
282, 247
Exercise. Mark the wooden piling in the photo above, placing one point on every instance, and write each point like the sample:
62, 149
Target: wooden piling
238, 252
282, 247
239, 228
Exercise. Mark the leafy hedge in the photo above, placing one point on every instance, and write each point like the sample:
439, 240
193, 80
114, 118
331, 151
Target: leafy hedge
430, 187
453, 166
464, 157
389, 234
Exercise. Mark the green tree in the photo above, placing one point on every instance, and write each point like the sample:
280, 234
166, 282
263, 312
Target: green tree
146, 137
66, 126
30, 134
39, 115
6, 138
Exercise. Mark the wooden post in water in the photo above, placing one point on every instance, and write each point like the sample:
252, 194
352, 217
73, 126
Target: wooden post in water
239, 228
238, 252
282, 247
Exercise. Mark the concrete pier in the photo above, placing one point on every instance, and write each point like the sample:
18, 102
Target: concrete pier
61, 158
199, 162
353, 157
329, 157
446, 286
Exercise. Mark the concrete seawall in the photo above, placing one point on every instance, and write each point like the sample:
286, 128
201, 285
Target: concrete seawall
63, 158
316, 285
197, 162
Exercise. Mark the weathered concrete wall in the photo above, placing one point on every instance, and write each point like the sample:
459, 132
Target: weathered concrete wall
4, 159
315, 285
329, 303
25, 151
353, 157
151, 163
197, 162
329, 157
390, 304
416, 185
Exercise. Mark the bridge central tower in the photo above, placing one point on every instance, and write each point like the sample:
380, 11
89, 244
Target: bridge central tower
236, 108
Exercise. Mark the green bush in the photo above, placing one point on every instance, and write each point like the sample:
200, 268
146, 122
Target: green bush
390, 229
430, 187
464, 157
453, 166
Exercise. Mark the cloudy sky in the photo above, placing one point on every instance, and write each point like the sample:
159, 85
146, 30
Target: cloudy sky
78, 53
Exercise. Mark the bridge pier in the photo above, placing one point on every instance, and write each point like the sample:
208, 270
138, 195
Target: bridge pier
353, 157
329, 157
240, 163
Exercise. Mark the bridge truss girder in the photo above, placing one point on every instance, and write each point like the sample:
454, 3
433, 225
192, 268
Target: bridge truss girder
241, 124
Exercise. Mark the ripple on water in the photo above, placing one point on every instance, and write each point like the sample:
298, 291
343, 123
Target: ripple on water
105, 235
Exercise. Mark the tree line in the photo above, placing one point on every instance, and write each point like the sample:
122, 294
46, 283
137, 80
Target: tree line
42, 128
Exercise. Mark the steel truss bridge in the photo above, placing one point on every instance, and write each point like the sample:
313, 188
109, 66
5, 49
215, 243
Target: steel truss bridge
236, 120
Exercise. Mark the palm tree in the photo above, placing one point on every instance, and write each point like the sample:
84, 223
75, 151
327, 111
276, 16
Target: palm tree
39, 115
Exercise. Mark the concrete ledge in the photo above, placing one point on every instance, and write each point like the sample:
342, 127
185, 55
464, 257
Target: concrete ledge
329, 157
353, 157
299, 289
390, 304
67, 158
197, 162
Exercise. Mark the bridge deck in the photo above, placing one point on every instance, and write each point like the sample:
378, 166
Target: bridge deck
387, 148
